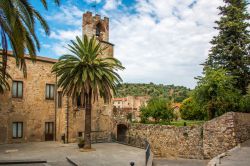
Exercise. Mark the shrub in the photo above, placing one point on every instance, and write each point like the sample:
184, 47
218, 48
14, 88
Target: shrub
190, 111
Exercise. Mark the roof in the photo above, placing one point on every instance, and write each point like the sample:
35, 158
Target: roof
119, 99
102, 41
38, 58
176, 105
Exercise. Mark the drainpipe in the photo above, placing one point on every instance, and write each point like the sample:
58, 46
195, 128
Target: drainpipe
55, 108
67, 120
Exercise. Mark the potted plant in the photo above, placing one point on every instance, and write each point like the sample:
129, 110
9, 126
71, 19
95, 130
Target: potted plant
81, 142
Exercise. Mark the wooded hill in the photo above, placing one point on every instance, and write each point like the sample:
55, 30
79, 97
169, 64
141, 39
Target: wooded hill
176, 93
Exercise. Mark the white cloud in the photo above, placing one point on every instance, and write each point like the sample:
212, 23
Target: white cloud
66, 34
68, 15
162, 41
112, 4
63, 37
46, 46
93, 1
60, 48
166, 41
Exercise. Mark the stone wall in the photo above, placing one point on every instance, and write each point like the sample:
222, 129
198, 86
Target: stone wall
33, 109
219, 135
204, 141
242, 127
171, 141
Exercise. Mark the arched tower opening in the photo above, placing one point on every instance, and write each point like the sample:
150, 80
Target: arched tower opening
98, 30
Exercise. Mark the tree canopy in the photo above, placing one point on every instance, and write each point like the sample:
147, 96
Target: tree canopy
174, 93
231, 47
191, 111
215, 93
158, 109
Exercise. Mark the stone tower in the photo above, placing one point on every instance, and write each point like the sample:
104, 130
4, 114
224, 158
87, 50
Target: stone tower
96, 26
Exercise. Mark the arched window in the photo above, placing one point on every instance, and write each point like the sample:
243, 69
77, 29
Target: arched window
98, 29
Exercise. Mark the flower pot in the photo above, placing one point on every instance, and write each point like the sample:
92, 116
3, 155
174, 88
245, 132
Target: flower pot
80, 145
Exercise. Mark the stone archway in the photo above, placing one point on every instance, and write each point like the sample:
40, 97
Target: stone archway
122, 130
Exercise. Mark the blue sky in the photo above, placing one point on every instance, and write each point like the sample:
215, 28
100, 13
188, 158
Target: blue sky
160, 41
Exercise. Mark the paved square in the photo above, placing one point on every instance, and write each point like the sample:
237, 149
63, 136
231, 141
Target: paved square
106, 154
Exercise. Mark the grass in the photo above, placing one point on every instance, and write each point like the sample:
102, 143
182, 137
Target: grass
179, 123
188, 122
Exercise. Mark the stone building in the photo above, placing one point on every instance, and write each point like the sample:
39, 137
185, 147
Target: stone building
35, 110
130, 105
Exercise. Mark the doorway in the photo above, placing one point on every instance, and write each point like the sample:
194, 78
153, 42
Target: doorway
121, 133
49, 131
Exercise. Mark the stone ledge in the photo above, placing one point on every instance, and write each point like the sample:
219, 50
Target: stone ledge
216, 160
71, 161
4, 162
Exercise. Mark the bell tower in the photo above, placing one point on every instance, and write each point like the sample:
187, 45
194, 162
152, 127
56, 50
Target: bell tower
94, 25
98, 27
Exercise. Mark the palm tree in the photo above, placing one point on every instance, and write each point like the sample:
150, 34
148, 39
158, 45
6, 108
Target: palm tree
17, 27
86, 73
3, 80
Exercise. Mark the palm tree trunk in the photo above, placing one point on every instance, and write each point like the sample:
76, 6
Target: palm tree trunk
87, 132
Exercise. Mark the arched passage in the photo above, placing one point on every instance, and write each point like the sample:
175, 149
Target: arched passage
121, 132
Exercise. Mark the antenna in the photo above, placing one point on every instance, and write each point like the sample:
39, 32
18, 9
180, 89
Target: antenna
95, 6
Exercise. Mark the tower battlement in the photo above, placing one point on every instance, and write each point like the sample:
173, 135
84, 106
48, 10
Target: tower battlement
95, 26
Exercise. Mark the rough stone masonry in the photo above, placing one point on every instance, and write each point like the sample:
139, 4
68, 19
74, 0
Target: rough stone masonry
199, 141
34, 117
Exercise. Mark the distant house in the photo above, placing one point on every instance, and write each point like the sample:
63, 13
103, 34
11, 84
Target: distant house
129, 105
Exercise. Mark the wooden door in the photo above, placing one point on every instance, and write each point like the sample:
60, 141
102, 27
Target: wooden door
49, 131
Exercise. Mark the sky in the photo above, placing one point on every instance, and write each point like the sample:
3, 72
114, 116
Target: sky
159, 41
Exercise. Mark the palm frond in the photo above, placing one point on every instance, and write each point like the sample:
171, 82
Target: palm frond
84, 69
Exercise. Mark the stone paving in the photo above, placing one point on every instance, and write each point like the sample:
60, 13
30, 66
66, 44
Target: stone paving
239, 156
106, 154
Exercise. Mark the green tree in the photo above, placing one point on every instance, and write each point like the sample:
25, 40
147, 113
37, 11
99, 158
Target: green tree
153, 90
145, 114
157, 108
17, 28
191, 111
231, 47
245, 102
215, 93
84, 72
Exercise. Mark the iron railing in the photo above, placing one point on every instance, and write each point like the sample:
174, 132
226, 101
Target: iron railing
148, 150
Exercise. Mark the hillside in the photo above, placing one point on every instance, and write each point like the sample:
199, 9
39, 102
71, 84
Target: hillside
178, 93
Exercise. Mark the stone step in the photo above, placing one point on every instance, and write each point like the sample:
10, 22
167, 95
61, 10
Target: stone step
6, 162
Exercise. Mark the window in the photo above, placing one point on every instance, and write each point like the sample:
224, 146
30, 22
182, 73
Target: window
17, 129
80, 134
59, 100
17, 89
79, 101
50, 91
98, 29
